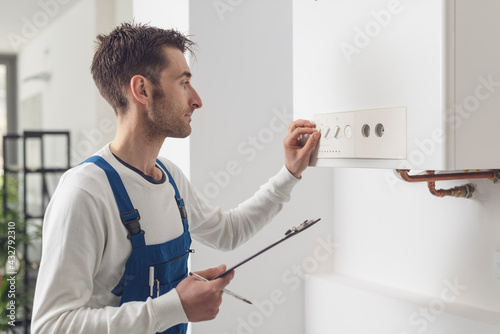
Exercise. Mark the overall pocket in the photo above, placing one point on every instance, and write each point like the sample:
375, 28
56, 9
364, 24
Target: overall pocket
168, 274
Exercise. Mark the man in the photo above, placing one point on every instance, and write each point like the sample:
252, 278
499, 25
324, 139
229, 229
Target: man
117, 232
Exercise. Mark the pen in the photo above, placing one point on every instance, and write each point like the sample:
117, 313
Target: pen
229, 292
151, 280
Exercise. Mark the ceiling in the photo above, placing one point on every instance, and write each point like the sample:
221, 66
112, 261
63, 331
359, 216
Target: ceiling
22, 20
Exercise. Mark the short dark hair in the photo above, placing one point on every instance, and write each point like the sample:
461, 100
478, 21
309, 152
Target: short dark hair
132, 49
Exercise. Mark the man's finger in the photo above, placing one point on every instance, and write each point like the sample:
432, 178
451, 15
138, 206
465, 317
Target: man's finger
291, 138
311, 143
223, 281
300, 124
212, 272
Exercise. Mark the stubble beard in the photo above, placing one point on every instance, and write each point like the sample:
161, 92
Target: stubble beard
163, 120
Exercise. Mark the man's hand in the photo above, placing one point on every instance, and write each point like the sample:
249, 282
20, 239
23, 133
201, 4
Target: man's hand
297, 156
201, 300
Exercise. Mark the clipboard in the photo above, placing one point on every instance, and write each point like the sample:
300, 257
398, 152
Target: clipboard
288, 234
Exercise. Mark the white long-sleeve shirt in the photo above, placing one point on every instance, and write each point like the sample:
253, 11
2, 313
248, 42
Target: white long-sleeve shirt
85, 245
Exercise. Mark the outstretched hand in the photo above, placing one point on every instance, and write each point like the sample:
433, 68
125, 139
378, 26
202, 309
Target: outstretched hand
297, 156
201, 300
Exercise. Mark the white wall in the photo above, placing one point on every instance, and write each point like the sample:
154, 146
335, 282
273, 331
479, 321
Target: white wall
21, 22
70, 100
398, 235
64, 101
407, 238
243, 74
63, 51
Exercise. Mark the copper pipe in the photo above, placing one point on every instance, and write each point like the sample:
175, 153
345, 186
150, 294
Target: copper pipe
431, 176
460, 191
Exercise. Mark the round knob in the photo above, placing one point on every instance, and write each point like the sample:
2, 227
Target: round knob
348, 131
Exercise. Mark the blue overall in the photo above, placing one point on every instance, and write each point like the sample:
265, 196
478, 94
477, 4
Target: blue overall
169, 259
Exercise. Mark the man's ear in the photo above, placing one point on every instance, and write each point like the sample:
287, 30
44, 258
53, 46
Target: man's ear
141, 89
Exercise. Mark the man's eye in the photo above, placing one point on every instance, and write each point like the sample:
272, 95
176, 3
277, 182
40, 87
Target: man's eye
185, 83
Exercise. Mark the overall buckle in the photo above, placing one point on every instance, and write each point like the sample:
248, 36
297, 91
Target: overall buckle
131, 221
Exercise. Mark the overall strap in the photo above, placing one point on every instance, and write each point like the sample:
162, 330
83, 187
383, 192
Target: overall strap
178, 198
129, 215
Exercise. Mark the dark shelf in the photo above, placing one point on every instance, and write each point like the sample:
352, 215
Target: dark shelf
12, 166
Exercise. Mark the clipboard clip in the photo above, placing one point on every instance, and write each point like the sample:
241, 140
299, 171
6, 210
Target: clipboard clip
306, 224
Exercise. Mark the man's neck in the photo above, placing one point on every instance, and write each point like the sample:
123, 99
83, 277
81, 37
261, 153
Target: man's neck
133, 147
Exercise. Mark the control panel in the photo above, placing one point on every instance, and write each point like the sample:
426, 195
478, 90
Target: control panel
363, 134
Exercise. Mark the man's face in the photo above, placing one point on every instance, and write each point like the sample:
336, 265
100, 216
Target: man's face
174, 99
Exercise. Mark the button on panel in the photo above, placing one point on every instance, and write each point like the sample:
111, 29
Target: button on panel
348, 131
